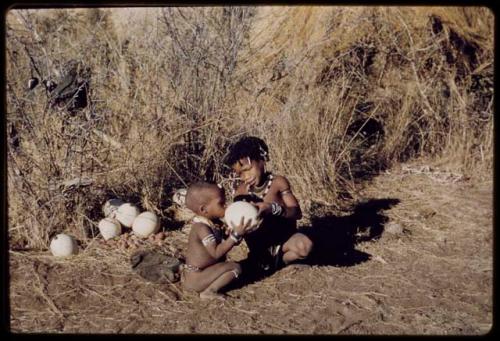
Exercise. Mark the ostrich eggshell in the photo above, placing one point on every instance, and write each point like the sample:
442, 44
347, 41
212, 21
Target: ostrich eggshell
146, 224
236, 210
126, 214
111, 206
63, 245
110, 228
179, 197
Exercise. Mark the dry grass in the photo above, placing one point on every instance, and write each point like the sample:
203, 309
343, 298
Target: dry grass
338, 93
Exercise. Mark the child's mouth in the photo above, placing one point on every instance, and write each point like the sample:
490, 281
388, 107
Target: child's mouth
251, 182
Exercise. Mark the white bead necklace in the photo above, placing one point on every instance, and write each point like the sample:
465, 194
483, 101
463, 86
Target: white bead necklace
261, 191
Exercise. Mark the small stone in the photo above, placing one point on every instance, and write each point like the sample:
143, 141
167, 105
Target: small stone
394, 228
32, 83
441, 239
49, 85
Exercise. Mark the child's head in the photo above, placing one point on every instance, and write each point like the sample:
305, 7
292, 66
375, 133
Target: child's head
206, 199
247, 158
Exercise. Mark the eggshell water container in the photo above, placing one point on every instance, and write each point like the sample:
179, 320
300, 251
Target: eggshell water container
146, 224
63, 245
111, 206
235, 211
179, 197
110, 228
126, 214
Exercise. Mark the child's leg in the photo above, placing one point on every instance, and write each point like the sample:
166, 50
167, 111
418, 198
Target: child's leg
212, 278
233, 270
297, 247
289, 256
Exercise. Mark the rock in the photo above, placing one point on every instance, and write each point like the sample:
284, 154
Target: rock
156, 267
394, 228
71, 90
159, 236
32, 83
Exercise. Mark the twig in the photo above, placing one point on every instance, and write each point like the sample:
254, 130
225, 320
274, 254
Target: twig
177, 174
41, 290
349, 326
106, 138
346, 148
281, 328
414, 68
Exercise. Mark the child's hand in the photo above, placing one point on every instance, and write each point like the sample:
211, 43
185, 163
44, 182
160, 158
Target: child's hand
243, 226
264, 208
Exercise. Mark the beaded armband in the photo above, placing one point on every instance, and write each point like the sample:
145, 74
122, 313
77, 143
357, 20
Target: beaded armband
276, 209
208, 239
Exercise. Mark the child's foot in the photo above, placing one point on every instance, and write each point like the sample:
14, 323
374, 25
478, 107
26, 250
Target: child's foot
210, 295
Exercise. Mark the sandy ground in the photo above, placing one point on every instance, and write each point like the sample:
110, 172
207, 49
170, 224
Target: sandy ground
415, 257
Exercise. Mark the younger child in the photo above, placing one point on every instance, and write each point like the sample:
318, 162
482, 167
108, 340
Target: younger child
205, 270
277, 241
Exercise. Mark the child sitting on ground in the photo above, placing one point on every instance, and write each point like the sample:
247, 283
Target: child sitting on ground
205, 270
277, 241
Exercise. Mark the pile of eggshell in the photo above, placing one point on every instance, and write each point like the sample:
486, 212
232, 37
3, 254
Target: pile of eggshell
143, 228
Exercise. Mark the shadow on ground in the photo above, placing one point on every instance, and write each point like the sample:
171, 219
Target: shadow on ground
335, 237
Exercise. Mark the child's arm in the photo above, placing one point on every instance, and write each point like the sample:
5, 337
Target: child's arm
240, 190
208, 240
290, 209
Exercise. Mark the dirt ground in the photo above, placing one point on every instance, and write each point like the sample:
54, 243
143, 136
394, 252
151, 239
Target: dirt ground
414, 257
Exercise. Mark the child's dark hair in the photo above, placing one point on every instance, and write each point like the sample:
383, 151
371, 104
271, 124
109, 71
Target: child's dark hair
247, 146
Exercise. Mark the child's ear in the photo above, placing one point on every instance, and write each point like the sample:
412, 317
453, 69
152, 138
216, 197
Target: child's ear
203, 209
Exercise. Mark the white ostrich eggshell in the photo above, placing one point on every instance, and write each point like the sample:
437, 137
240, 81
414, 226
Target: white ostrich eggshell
236, 210
63, 245
179, 197
110, 228
126, 214
111, 206
146, 224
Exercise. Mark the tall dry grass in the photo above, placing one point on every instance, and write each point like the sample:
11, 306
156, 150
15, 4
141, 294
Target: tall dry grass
338, 93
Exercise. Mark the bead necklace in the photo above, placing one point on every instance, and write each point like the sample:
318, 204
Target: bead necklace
217, 230
261, 191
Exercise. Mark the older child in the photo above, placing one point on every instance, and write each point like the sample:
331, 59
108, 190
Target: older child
205, 270
277, 241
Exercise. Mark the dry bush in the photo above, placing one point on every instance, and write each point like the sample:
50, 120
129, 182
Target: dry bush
113, 142
341, 93
199, 48
338, 93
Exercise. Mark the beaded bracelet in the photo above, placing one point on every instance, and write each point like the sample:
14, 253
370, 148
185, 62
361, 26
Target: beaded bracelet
276, 209
235, 237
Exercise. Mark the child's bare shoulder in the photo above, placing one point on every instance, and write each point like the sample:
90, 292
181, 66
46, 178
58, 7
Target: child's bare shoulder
198, 227
281, 182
